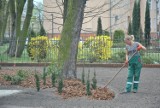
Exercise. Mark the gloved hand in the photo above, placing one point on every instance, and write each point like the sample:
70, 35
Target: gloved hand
139, 47
126, 62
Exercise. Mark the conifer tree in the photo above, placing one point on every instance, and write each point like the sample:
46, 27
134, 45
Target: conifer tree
42, 31
129, 28
99, 27
147, 25
136, 20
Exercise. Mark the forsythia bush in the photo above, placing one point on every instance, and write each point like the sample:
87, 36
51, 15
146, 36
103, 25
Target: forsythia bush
99, 46
38, 47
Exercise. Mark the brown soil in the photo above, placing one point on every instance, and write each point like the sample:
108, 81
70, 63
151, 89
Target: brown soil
72, 87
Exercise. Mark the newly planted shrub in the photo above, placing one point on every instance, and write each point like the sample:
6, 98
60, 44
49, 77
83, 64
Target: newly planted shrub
37, 82
60, 85
16, 80
54, 68
83, 77
22, 74
88, 91
53, 78
7, 77
94, 81
44, 76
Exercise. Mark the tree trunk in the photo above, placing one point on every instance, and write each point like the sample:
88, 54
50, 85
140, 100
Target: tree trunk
12, 44
24, 31
17, 32
70, 37
6, 13
65, 10
2, 18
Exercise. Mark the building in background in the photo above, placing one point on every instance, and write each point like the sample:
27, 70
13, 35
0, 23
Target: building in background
116, 17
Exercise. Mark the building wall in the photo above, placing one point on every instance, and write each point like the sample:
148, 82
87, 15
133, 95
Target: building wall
153, 16
120, 15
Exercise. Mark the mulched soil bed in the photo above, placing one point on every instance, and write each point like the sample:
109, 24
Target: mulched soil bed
72, 87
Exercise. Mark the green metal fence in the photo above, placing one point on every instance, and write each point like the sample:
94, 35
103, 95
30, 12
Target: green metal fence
86, 53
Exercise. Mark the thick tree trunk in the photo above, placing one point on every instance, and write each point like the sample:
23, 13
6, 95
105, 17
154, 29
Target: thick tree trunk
71, 36
2, 18
12, 44
6, 13
17, 32
25, 28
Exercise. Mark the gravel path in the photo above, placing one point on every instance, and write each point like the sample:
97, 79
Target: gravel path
148, 95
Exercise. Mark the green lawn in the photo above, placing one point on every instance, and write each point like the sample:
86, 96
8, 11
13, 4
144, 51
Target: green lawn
5, 58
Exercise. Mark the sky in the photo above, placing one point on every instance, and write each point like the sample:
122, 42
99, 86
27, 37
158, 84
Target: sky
39, 1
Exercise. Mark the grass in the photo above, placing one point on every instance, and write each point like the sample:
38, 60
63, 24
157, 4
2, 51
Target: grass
5, 58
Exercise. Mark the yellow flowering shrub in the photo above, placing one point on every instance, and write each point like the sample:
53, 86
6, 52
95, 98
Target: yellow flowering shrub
38, 47
99, 47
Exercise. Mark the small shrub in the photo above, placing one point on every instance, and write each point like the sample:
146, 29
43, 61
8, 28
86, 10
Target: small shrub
147, 60
118, 57
88, 88
0, 67
54, 68
83, 77
94, 81
88, 91
44, 76
118, 35
60, 85
16, 80
22, 74
37, 82
53, 78
7, 77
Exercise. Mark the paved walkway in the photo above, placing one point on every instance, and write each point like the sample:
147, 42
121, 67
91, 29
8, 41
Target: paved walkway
148, 95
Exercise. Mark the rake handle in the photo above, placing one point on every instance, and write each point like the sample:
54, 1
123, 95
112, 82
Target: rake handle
119, 71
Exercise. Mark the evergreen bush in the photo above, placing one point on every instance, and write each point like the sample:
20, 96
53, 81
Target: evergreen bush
60, 85
37, 82
53, 78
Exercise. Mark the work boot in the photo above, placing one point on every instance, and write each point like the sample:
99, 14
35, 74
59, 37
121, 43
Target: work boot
134, 91
125, 92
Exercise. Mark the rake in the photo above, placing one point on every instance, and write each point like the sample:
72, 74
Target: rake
119, 71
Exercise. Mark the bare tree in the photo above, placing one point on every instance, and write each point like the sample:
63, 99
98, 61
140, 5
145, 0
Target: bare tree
70, 37
19, 31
